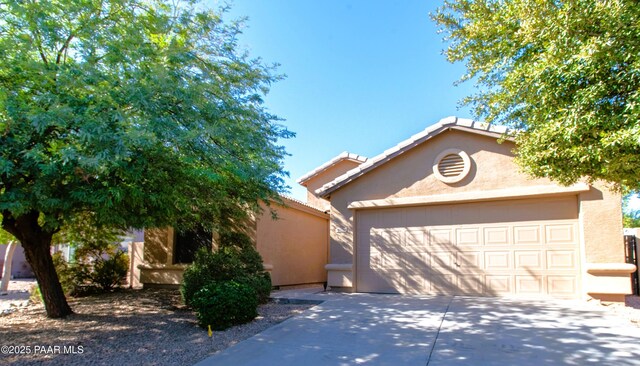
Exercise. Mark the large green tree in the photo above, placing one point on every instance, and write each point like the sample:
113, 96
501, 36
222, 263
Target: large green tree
141, 112
566, 74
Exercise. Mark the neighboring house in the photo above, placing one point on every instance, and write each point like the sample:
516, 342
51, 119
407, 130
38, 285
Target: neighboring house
447, 211
294, 247
20, 268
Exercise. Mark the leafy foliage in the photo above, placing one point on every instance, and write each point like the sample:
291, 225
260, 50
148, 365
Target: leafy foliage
35, 296
207, 268
236, 260
224, 304
631, 216
144, 113
88, 236
104, 274
5, 237
93, 271
66, 274
566, 73
261, 283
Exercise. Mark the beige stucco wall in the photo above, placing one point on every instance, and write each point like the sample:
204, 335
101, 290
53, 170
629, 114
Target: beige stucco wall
294, 248
158, 246
411, 175
324, 177
492, 168
606, 274
136, 257
157, 268
601, 220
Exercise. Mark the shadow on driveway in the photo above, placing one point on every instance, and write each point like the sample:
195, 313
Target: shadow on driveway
354, 329
492, 331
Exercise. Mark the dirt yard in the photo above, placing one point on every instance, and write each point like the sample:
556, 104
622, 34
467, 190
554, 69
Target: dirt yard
131, 327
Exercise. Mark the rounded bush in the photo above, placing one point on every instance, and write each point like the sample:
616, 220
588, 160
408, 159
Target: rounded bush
110, 273
229, 263
208, 268
224, 304
261, 283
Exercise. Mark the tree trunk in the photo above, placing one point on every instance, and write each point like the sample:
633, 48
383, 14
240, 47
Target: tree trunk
37, 248
6, 270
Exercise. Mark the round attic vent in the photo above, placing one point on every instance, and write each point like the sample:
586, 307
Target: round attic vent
451, 166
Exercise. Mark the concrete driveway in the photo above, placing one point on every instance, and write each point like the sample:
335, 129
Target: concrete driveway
354, 329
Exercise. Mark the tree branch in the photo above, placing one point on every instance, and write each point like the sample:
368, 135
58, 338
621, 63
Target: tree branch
63, 48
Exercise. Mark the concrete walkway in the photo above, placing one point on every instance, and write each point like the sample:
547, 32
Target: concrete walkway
353, 329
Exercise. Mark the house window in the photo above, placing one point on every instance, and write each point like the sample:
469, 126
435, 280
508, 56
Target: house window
451, 166
187, 242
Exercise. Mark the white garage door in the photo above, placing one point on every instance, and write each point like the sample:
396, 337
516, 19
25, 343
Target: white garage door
520, 247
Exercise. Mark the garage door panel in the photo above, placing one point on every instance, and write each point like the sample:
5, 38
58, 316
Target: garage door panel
531, 248
444, 283
529, 259
526, 235
418, 261
561, 259
472, 285
415, 284
392, 261
440, 237
415, 240
497, 260
383, 241
496, 235
498, 284
470, 262
560, 234
562, 286
468, 237
442, 260
529, 285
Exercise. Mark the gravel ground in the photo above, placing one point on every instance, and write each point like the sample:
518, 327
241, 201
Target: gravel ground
141, 327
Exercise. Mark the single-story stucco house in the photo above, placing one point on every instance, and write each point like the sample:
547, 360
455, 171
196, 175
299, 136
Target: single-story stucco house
444, 212
447, 211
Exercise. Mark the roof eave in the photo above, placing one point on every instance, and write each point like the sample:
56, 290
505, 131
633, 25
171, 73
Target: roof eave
345, 155
445, 124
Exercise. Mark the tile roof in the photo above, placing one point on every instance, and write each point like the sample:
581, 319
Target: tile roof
413, 141
291, 199
343, 156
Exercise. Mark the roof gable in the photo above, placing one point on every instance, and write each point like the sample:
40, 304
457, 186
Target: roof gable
444, 124
334, 161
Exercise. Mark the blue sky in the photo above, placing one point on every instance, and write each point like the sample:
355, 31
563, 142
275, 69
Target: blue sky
361, 75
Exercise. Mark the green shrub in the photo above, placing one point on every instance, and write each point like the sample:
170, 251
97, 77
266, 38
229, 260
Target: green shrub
208, 268
66, 274
109, 273
91, 274
35, 296
224, 304
236, 260
261, 283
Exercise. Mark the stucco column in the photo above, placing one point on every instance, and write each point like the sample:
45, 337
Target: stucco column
6, 271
